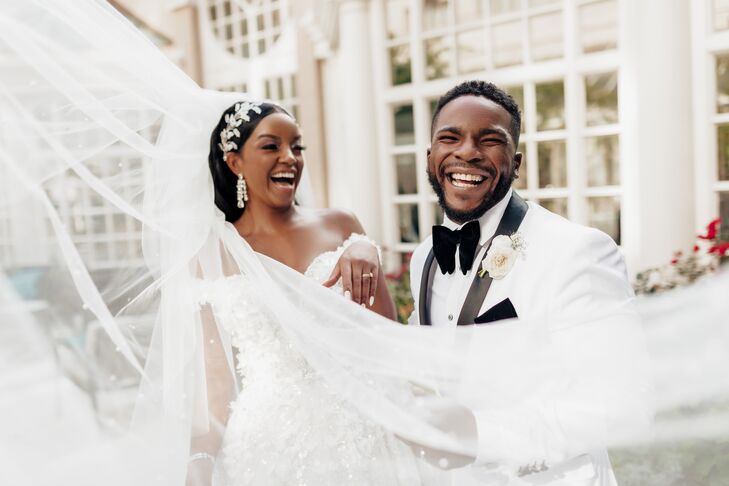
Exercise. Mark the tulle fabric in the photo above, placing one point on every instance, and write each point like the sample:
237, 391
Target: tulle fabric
80, 85
287, 426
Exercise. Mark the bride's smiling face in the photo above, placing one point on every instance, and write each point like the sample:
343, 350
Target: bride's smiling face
271, 161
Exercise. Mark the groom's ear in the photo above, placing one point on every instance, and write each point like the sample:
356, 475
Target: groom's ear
517, 160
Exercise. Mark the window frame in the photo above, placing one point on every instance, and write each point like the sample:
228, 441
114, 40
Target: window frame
572, 68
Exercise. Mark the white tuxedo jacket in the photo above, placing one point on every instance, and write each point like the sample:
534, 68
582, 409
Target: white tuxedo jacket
569, 275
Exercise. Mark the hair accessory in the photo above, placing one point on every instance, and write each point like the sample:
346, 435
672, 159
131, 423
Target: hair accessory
233, 121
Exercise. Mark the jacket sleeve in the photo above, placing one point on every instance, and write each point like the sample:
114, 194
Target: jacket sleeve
603, 388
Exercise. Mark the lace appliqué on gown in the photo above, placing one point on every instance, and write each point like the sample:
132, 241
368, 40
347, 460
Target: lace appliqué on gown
285, 426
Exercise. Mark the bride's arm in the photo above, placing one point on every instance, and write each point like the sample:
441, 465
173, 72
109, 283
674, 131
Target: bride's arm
364, 253
358, 259
217, 395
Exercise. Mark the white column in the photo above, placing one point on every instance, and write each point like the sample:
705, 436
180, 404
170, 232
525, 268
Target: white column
183, 17
353, 165
704, 88
655, 107
309, 84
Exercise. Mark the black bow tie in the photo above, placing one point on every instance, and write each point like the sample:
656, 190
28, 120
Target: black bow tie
444, 246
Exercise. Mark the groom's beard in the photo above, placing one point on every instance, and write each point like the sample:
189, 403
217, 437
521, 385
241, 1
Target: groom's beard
460, 217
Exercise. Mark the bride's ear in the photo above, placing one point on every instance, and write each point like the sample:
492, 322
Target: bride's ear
235, 162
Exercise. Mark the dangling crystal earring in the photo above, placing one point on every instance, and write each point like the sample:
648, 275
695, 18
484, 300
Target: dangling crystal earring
241, 191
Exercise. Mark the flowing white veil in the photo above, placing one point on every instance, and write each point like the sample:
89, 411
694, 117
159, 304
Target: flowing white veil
80, 90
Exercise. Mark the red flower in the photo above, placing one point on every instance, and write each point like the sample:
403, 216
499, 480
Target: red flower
696, 248
399, 274
711, 230
674, 261
404, 268
722, 249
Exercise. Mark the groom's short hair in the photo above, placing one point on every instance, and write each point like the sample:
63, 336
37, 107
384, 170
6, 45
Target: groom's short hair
489, 91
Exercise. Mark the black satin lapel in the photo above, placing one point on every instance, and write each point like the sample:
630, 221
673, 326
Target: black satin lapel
426, 282
502, 310
474, 298
514, 214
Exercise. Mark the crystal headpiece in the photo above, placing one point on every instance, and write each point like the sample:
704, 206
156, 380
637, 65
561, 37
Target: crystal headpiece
233, 121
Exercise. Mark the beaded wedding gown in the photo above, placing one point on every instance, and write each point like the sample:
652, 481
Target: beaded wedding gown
286, 426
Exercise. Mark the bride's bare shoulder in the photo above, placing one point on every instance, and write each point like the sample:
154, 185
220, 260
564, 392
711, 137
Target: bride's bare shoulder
341, 220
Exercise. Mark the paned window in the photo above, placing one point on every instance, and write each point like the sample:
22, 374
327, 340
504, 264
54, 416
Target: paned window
556, 58
282, 90
245, 32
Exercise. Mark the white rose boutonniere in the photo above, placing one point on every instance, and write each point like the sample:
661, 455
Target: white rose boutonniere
502, 255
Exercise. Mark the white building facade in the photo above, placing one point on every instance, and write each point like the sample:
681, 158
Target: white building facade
625, 105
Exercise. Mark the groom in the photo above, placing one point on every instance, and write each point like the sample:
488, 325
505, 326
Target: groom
498, 260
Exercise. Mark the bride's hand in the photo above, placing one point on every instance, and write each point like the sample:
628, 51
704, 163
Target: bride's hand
359, 268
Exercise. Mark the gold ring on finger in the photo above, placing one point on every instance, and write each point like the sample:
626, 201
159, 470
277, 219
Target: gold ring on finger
368, 275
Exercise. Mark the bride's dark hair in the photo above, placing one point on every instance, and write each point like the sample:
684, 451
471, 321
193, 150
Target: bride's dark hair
224, 180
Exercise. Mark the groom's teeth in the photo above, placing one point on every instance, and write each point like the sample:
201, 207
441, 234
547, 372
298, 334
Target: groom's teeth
468, 177
466, 180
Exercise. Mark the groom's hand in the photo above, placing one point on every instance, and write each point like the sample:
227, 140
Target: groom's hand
440, 459
359, 269
454, 419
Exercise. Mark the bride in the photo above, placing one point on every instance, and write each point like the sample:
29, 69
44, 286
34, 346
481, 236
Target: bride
251, 370
285, 426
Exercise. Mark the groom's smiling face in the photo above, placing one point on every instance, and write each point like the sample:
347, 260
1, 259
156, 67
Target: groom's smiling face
472, 158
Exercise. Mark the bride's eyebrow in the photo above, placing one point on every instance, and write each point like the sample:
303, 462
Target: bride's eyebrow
267, 135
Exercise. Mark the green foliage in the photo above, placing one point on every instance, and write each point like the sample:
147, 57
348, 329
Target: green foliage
401, 74
400, 65
436, 63
399, 286
691, 463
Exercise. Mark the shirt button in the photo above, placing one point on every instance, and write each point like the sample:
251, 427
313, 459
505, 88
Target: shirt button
450, 317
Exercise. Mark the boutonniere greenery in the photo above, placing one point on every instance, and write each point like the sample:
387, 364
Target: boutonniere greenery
502, 255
